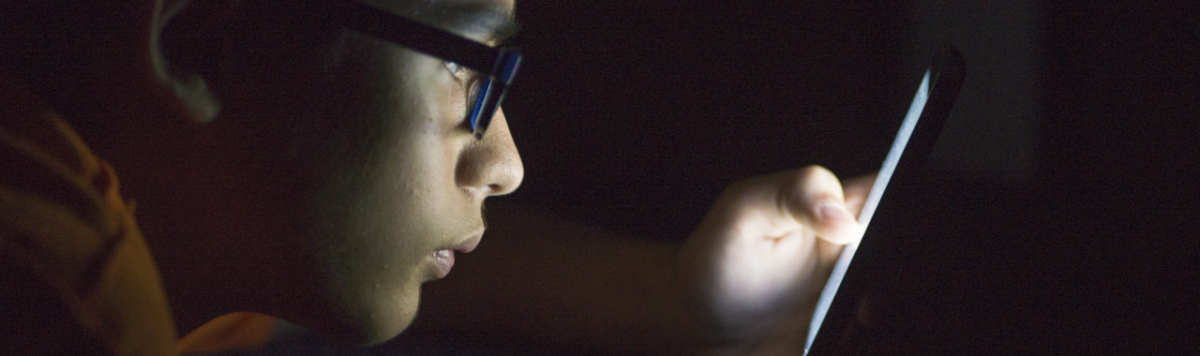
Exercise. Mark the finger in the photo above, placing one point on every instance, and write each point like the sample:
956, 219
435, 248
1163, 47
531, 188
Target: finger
856, 190
814, 197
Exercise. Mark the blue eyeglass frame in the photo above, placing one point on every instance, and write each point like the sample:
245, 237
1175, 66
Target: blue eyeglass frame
498, 66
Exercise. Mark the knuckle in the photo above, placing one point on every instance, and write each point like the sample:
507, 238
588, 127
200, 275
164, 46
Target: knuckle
739, 192
799, 178
813, 183
811, 173
794, 188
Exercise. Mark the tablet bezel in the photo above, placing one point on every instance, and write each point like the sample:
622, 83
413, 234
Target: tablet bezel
910, 149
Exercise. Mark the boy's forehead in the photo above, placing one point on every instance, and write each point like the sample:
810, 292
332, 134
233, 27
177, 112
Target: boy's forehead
483, 20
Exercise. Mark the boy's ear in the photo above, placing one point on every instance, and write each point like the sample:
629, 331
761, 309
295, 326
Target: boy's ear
193, 97
189, 43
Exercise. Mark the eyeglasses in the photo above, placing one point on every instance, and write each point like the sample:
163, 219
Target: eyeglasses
496, 66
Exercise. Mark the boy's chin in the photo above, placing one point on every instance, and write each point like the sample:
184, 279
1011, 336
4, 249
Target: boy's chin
379, 322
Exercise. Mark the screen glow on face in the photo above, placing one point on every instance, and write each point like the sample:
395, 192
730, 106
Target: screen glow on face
868, 210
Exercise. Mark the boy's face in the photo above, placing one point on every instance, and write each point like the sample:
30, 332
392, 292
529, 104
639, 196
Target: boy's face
361, 164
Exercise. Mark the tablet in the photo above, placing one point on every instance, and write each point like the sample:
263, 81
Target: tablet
919, 131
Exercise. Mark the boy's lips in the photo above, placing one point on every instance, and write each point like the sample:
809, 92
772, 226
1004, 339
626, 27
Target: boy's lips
443, 259
470, 243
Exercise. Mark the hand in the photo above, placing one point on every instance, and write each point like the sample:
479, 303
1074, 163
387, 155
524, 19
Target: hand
757, 263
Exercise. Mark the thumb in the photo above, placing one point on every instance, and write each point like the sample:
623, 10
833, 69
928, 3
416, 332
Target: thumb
813, 196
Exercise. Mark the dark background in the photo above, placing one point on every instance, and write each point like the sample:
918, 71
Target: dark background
635, 114
1058, 213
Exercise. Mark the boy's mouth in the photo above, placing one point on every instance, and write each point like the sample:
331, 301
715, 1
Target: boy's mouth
443, 259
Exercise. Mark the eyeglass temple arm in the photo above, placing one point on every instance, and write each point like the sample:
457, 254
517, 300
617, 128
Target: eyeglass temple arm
412, 34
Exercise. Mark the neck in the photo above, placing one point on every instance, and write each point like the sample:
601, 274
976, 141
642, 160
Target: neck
210, 266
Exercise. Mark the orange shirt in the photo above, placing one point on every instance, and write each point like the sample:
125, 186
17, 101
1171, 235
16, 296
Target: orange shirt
77, 275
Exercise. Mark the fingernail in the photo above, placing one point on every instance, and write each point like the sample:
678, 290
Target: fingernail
835, 212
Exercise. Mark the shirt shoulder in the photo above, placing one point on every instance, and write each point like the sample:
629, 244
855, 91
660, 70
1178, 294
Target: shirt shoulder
76, 276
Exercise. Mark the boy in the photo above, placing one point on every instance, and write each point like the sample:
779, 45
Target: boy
307, 169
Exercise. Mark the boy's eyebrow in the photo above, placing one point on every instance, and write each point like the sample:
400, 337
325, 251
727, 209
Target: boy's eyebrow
474, 17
